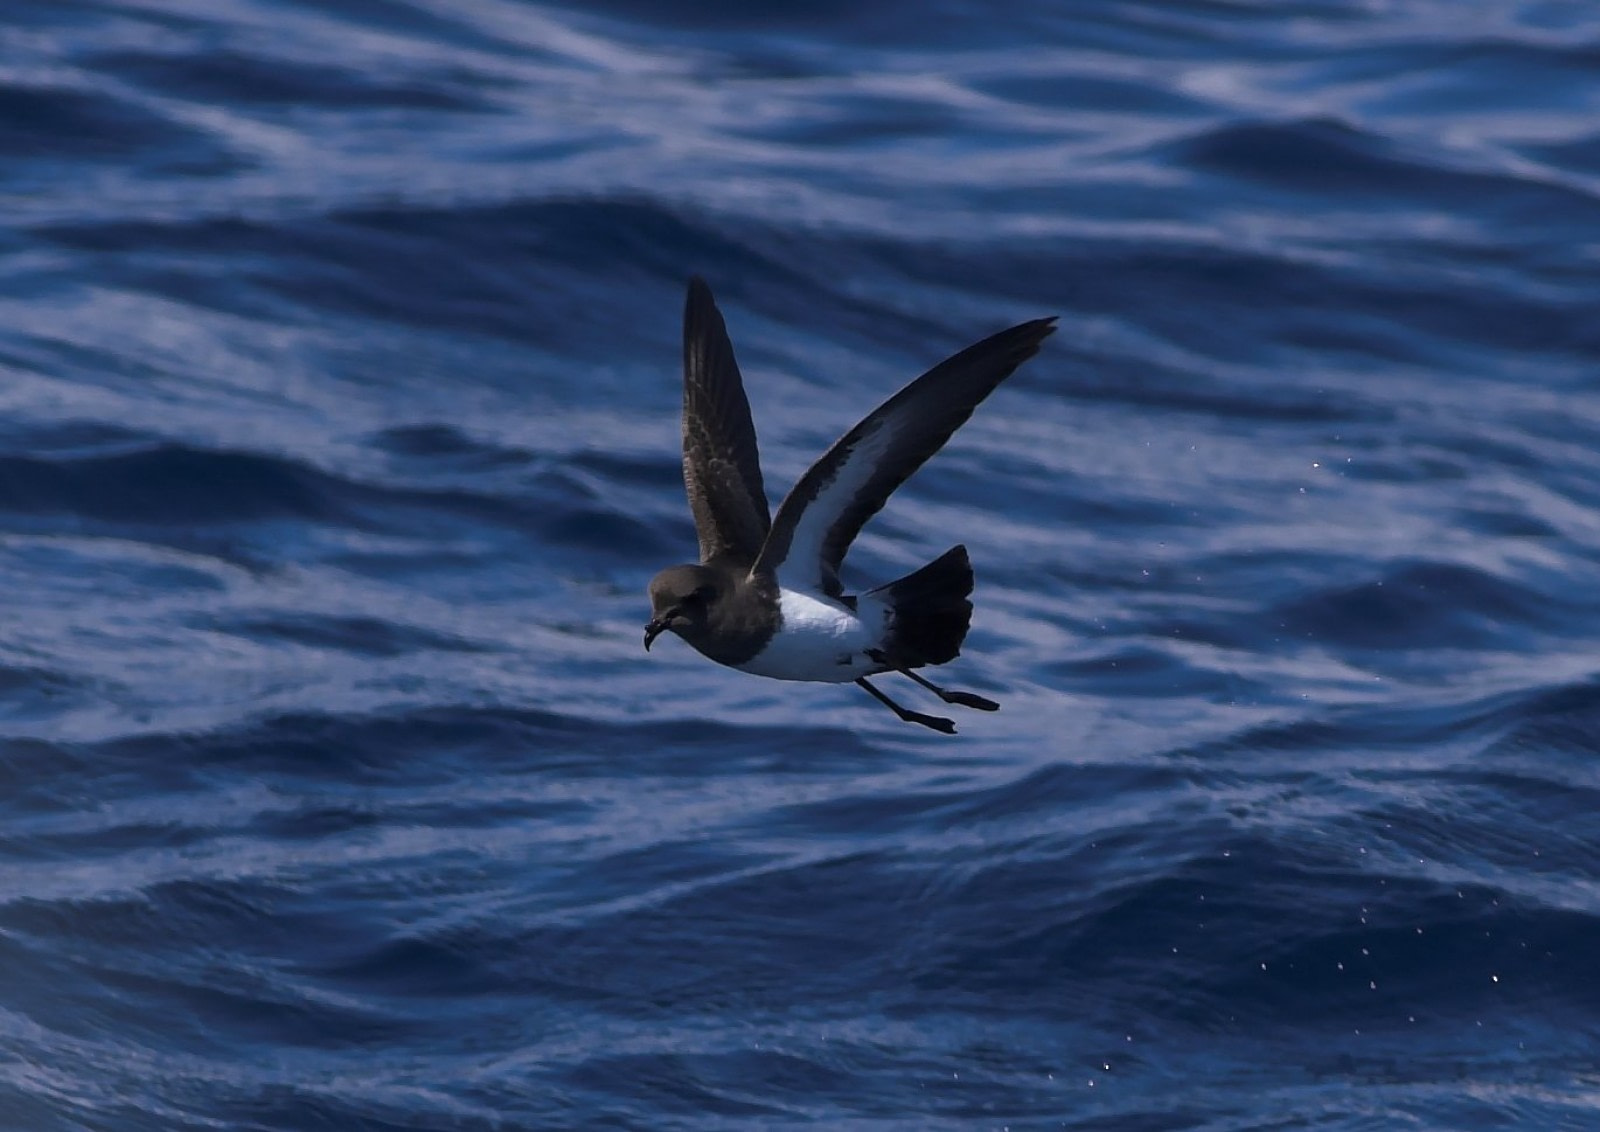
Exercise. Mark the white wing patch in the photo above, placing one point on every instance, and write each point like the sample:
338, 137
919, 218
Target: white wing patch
821, 640
820, 514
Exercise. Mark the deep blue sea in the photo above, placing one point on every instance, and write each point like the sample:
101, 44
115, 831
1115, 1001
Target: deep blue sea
339, 390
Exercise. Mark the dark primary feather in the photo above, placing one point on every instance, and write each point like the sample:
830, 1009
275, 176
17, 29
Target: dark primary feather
721, 463
911, 426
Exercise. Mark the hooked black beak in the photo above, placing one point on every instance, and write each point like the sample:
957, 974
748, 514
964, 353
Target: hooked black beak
654, 630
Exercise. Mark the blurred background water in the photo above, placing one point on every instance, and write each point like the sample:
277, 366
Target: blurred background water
338, 368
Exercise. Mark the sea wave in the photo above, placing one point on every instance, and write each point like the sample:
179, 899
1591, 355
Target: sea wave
338, 347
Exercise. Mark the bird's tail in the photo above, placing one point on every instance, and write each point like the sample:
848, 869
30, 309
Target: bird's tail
929, 611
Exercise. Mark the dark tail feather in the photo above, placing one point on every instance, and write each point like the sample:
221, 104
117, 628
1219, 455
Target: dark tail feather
930, 611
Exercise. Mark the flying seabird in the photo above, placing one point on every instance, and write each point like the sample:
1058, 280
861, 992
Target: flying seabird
765, 596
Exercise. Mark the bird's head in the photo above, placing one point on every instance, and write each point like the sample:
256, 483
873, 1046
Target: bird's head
681, 598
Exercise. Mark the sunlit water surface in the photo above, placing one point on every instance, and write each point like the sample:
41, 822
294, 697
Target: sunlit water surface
338, 348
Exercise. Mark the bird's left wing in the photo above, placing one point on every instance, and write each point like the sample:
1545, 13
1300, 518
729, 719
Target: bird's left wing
820, 518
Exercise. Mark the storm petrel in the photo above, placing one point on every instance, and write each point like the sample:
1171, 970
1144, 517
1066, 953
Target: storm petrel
765, 596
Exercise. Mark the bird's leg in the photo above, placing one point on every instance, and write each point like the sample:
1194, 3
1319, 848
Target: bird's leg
933, 721
949, 696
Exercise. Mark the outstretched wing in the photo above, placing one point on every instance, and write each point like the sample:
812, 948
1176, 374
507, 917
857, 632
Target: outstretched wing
821, 517
721, 463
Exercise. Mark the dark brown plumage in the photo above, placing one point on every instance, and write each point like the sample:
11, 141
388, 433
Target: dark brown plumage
765, 596
721, 461
911, 426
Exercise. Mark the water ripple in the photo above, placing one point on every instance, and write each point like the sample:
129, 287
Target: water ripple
338, 364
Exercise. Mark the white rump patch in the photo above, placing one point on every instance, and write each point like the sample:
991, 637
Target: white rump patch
821, 640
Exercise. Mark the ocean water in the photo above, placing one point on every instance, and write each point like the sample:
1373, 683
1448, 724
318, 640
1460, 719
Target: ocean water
338, 440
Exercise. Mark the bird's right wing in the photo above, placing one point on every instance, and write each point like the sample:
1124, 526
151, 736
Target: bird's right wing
721, 463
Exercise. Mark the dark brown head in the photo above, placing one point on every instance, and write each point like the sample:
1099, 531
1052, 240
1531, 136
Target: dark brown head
682, 600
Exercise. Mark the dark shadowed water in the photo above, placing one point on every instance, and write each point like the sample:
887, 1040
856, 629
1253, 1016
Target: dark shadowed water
338, 439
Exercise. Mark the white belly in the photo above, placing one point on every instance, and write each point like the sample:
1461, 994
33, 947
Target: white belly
820, 640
